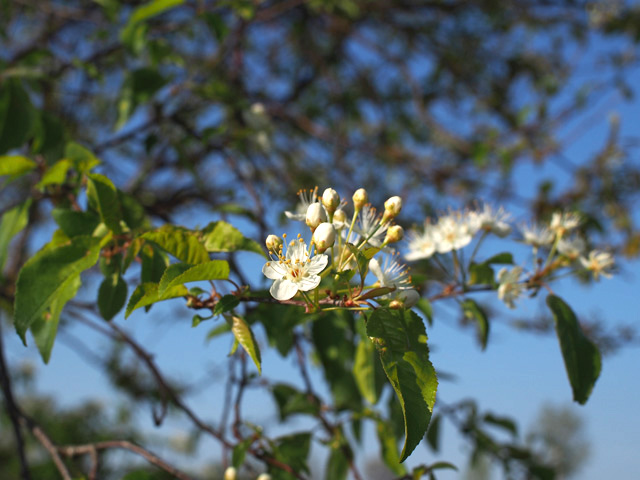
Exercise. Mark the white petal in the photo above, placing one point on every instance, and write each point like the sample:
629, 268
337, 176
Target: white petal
375, 268
309, 283
273, 270
283, 289
295, 216
316, 265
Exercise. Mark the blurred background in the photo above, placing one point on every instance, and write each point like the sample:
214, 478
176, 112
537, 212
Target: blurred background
206, 110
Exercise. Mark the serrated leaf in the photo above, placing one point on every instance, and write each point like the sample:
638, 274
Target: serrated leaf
74, 223
103, 194
223, 237
291, 450
364, 370
581, 356
15, 165
226, 303
153, 263
82, 159
45, 328
147, 294
337, 464
180, 273
42, 278
112, 296
402, 345
473, 311
291, 401
12, 223
244, 336
179, 242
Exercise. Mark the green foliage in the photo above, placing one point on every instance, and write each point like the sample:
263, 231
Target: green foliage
401, 340
581, 357
180, 273
244, 335
179, 242
47, 276
475, 312
112, 295
15, 165
147, 294
223, 237
17, 115
12, 223
291, 401
103, 197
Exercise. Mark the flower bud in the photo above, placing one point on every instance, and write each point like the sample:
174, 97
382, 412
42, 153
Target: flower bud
330, 200
324, 236
409, 297
392, 208
273, 243
264, 476
315, 215
339, 219
395, 304
230, 474
395, 233
360, 199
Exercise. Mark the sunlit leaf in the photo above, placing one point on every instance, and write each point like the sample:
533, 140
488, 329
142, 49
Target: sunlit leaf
223, 237
12, 223
179, 242
242, 331
180, 273
473, 311
15, 165
147, 294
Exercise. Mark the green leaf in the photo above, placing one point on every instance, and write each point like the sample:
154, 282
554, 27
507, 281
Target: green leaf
12, 223
133, 213
56, 174
402, 344
153, 264
42, 278
244, 336
143, 13
103, 194
226, 303
337, 464
581, 356
389, 447
179, 242
139, 87
15, 165
45, 328
502, 422
223, 237
481, 274
504, 258
112, 296
147, 294
17, 115
291, 401
473, 311
216, 24
180, 273
74, 223
291, 450
364, 370
425, 307
433, 434
279, 322
82, 159
240, 452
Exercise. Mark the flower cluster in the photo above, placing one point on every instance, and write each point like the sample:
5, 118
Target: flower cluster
343, 247
231, 474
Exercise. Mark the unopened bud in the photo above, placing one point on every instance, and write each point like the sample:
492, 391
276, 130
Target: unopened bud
315, 215
395, 233
395, 304
324, 236
392, 208
330, 200
409, 297
230, 474
360, 199
264, 476
273, 243
339, 218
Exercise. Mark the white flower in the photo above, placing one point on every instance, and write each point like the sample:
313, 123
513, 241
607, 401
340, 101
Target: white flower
561, 223
421, 245
598, 263
307, 197
368, 223
296, 271
509, 288
536, 236
489, 220
452, 233
316, 214
571, 248
391, 274
324, 236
